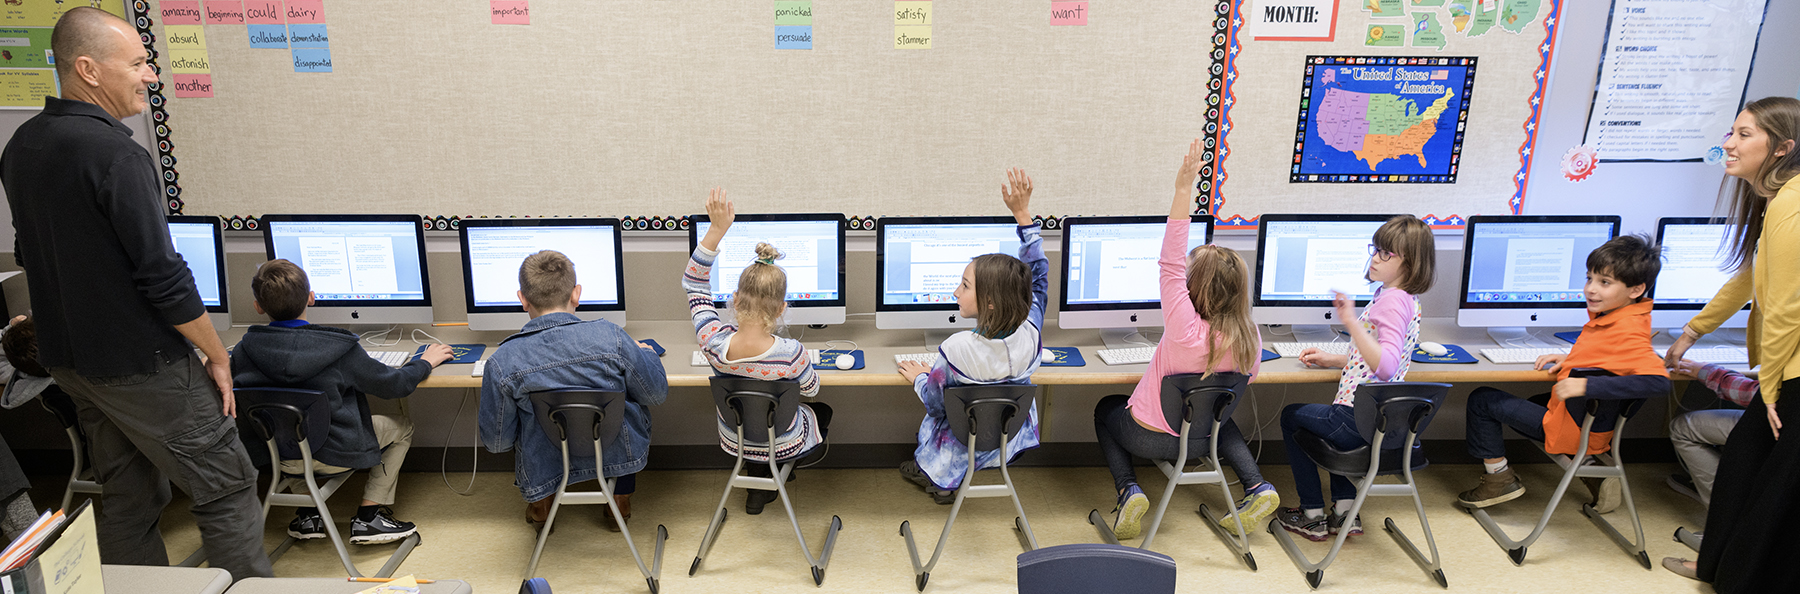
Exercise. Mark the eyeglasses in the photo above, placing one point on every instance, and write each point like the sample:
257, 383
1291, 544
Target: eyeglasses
1380, 255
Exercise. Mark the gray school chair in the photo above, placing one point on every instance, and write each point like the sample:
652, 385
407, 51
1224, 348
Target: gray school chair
1190, 399
582, 420
1383, 411
289, 421
81, 479
760, 411
1085, 568
981, 418
1593, 415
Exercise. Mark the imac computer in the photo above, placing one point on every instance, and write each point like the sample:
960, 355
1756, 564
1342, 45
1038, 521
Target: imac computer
812, 246
493, 249
198, 241
1694, 254
919, 262
1110, 277
1303, 260
364, 269
1528, 271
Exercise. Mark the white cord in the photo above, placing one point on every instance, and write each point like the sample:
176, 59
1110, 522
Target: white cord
371, 336
828, 344
415, 337
474, 452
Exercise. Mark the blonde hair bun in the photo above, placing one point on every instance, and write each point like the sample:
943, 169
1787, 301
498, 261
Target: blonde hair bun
767, 254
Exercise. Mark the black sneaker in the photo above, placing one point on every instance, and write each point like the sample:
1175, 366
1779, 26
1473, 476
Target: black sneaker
307, 526
384, 528
755, 499
912, 472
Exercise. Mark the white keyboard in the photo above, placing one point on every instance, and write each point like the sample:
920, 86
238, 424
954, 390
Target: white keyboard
480, 367
1520, 355
1716, 355
392, 358
1126, 356
1293, 349
926, 359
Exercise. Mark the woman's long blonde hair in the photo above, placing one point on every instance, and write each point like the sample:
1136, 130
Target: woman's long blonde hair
762, 289
1218, 284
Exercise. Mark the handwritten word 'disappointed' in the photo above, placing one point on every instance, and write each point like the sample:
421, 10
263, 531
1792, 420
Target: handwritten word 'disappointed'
510, 12
221, 12
312, 60
1068, 13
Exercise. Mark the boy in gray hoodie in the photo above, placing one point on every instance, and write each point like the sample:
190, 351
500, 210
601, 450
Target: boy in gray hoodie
290, 353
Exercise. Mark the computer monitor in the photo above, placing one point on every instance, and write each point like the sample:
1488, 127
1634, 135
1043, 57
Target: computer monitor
919, 262
1694, 254
493, 249
1110, 278
1302, 260
813, 250
364, 269
198, 241
1521, 271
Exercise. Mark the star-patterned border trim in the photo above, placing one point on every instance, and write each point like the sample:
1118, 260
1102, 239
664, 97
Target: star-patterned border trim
1516, 204
159, 113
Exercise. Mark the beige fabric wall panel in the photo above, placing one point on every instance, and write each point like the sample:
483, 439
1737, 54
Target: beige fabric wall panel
615, 108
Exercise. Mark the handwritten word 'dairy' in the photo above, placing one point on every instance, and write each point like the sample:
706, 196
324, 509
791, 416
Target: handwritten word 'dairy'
904, 40
313, 64
516, 11
179, 12
794, 38
303, 15
194, 86
230, 12
187, 63
267, 38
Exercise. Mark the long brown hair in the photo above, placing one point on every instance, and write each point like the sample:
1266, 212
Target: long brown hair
762, 289
1002, 294
1411, 238
1779, 119
1218, 284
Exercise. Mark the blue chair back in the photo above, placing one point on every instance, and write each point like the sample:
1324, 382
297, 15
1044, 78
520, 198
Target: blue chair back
1086, 568
579, 417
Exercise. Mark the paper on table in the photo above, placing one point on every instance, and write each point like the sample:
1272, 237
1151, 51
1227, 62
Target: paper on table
72, 563
400, 585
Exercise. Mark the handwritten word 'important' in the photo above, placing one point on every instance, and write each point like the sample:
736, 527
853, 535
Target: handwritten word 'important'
516, 11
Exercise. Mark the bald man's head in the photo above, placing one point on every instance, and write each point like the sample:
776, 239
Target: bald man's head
84, 31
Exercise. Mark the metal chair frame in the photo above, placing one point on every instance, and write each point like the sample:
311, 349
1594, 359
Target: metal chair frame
607, 409
1008, 400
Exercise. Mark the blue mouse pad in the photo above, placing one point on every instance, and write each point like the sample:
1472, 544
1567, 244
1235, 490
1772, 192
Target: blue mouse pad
1063, 357
828, 359
1269, 355
465, 354
1569, 336
1456, 355
653, 346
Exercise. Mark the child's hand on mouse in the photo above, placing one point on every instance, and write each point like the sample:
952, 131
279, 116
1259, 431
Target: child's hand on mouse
1016, 192
1548, 362
437, 354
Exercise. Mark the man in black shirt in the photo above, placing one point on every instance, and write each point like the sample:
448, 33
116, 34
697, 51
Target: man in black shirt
116, 308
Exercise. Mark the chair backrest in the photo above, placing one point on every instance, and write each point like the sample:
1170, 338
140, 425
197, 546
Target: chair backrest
1199, 399
58, 403
756, 405
286, 415
1083, 568
579, 417
1607, 413
988, 409
1396, 407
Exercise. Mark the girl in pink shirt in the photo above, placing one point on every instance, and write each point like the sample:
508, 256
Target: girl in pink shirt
1206, 316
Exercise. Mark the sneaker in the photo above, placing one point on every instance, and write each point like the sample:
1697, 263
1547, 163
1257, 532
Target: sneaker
1605, 491
910, 469
1132, 505
1684, 484
307, 526
755, 499
383, 528
1253, 508
1495, 488
1337, 524
1295, 521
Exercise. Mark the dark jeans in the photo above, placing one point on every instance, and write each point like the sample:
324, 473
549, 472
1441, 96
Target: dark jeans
1748, 545
1121, 436
1490, 409
146, 430
1337, 424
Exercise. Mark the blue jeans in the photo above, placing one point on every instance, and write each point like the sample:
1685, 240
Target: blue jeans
1337, 424
1488, 410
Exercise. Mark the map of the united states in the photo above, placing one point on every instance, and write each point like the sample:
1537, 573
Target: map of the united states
1376, 126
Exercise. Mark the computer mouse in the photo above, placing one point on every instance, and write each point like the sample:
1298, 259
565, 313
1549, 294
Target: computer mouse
845, 361
1434, 349
1047, 355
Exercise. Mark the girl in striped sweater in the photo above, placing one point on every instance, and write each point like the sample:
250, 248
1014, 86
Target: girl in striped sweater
750, 347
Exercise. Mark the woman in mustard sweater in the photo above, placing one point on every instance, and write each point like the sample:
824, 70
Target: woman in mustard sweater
1746, 547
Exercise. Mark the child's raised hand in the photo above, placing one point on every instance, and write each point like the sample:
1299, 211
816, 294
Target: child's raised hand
1016, 192
1190, 167
719, 210
1345, 306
